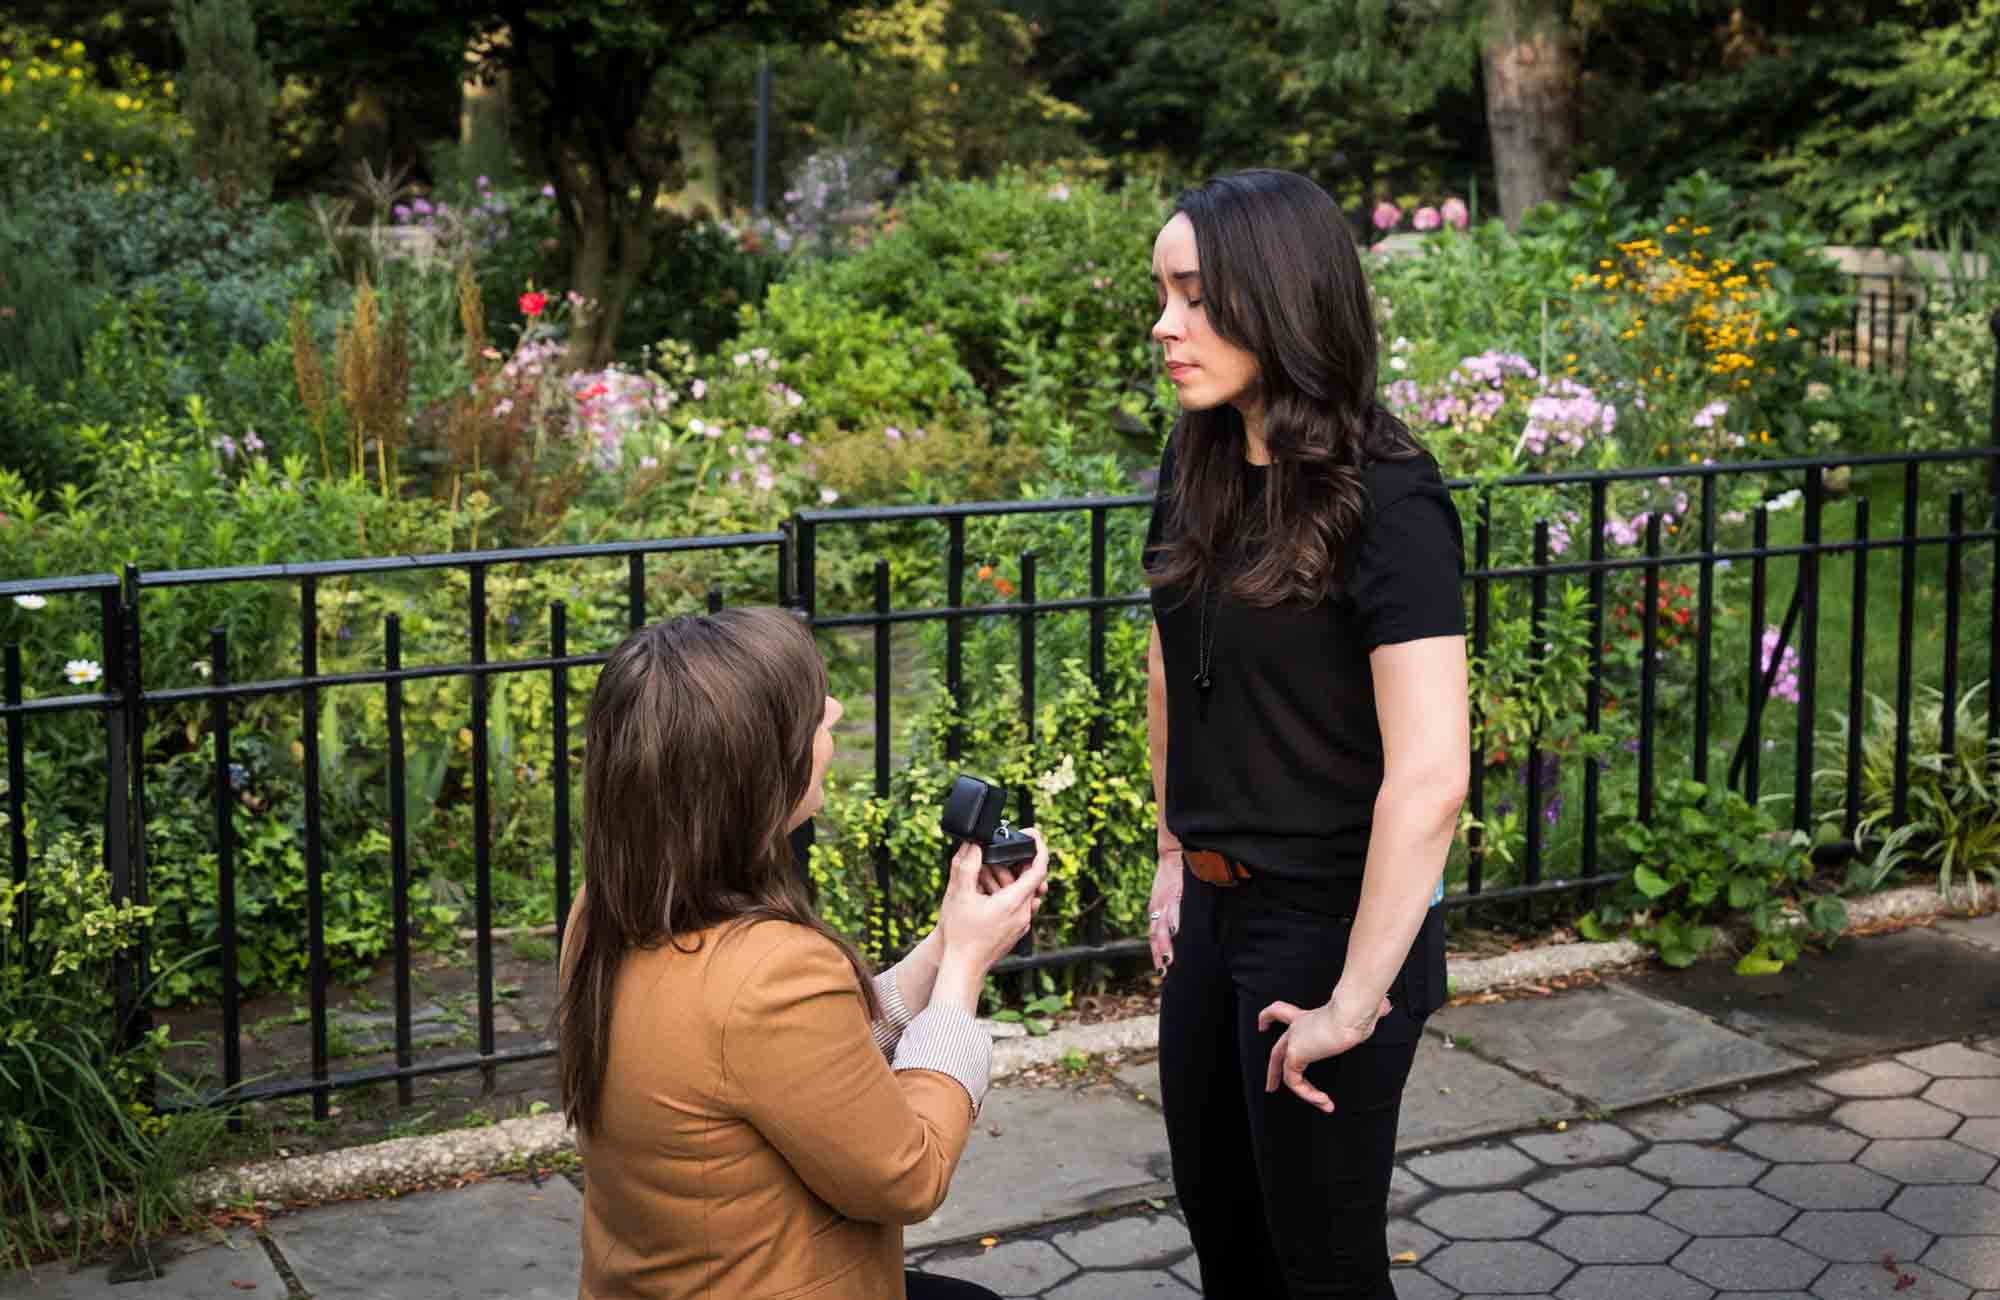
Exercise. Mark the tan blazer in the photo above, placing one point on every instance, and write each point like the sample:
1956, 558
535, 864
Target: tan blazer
753, 1141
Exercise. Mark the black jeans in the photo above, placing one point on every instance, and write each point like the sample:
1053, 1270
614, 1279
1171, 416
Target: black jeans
924, 1286
1283, 1202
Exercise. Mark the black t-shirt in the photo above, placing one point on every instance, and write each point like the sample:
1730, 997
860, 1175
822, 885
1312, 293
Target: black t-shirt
1280, 764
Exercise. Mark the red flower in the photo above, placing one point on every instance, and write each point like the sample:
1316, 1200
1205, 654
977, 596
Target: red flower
592, 393
532, 303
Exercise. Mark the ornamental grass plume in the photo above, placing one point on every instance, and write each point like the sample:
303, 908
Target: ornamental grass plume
372, 361
309, 370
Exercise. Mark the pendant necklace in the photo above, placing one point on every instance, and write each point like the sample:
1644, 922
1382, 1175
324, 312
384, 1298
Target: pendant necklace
1204, 672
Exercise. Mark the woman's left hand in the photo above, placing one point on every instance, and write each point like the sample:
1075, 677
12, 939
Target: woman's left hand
1312, 1036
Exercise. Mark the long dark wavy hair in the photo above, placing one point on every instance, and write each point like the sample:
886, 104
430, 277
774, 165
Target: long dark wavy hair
1281, 279
699, 750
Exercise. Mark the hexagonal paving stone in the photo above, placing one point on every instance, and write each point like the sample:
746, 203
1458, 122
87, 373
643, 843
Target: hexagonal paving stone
1726, 1212
1405, 1190
1800, 1143
1116, 1286
1954, 1061
1688, 1165
1491, 1165
1763, 1295
1611, 1190
1828, 1187
1851, 1236
1974, 1098
1748, 1263
1949, 1211
1409, 1237
1131, 1241
1631, 1282
1484, 1215
1615, 1239
1927, 1161
1413, 1285
1896, 1117
1580, 1144
1699, 1122
1026, 1267
1498, 1267
1975, 1261
1873, 1282
1786, 1101
1880, 1079
1984, 1134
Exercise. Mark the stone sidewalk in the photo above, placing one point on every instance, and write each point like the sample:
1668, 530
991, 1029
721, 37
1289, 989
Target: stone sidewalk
1832, 1132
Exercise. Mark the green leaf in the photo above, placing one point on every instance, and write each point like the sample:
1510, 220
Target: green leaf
1650, 883
1759, 961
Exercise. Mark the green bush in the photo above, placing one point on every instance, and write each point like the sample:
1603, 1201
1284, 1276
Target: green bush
1022, 275
79, 1132
1705, 856
1953, 821
227, 95
65, 115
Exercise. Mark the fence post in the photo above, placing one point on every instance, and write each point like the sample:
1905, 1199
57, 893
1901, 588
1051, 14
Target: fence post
1993, 465
125, 801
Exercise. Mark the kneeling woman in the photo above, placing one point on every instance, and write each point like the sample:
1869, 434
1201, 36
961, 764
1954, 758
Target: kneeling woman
757, 1116
1308, 723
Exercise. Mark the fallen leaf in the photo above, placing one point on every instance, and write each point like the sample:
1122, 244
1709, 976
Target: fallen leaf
242, 1286
1904, 1281
1562, 1126
989, 1242
1403, 1257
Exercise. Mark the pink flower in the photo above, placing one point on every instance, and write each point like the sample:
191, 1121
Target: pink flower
1387, 215
1454, 213
1426, 219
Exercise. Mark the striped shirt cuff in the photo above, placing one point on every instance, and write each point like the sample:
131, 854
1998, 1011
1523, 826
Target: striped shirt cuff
949, 1041
895, 1016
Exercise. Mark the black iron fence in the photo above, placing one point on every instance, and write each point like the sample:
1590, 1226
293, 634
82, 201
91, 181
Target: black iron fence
1523, 575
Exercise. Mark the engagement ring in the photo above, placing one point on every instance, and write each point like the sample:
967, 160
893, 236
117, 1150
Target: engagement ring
1152, 916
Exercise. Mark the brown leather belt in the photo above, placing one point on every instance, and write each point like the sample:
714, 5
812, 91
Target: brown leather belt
1214, 868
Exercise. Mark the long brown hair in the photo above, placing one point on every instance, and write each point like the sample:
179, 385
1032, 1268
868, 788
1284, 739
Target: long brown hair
698, 750
1280, 279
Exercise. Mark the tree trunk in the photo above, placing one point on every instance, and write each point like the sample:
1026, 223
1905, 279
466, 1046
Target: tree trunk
1530, 65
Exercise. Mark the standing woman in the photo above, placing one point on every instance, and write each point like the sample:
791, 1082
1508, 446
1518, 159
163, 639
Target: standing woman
1310, 746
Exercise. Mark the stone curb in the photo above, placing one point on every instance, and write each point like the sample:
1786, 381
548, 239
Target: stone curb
404, 1163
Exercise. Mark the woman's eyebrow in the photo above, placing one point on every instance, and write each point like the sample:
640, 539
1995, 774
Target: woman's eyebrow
1178, 277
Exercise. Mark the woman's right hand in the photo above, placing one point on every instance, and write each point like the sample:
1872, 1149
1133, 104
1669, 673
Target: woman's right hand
980, 928
1163, 910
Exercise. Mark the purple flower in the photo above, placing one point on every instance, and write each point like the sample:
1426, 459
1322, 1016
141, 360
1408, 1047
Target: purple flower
421, 206
548, 191
1553, 809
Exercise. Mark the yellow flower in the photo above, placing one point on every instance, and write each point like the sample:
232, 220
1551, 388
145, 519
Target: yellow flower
124, 103
167, 88
42, 125
88, 156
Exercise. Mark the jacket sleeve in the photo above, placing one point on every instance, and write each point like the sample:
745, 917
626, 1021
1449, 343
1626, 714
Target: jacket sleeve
799, 1059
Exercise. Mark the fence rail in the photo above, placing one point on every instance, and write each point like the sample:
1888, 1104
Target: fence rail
793, 557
